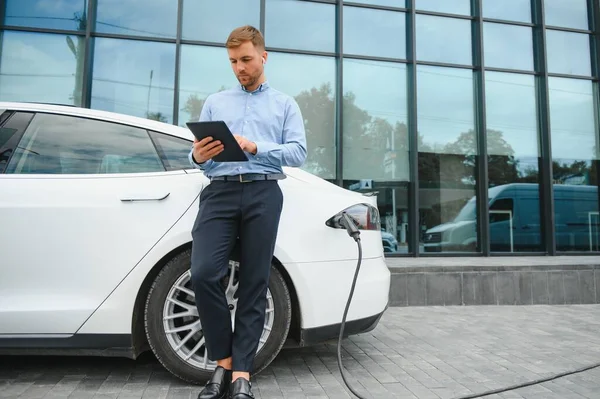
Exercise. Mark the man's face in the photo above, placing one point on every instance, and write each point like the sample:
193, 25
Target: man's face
246, 63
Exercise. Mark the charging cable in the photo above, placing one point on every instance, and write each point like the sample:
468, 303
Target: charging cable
350, 226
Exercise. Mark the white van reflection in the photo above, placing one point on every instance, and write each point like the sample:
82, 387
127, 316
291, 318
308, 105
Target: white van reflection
515, 221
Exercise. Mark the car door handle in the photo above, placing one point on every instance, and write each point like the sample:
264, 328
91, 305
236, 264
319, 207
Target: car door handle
137, 198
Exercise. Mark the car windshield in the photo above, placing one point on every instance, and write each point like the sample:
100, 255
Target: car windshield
467, 212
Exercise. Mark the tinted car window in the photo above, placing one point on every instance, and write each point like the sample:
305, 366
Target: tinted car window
59, 144
11, 129
173, 150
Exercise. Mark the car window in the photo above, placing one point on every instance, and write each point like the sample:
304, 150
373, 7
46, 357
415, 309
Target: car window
501, 210
12, 126
173, 150
60, 144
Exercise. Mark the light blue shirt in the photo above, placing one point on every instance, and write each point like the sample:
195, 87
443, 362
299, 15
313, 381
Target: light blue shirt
269, 118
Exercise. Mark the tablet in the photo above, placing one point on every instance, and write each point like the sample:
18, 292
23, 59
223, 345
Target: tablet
218, 130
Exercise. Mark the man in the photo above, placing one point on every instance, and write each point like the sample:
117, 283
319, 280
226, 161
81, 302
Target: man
243, 199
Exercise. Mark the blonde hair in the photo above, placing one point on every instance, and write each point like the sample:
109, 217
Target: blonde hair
243, 34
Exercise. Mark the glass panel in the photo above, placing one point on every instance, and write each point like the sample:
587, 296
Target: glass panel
134, 78
574, 164
569, 14
568, 53
513, 162
156, 18
173, 150
315, 94
462, 7
206, 20
511, 10
204, 70
300, 25
372, 32
69, 15
58, 144
441, 39
376, 142
447, 160
41, 67
508, 46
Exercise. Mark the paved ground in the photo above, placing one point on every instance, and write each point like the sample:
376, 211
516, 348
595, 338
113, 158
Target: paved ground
429, 352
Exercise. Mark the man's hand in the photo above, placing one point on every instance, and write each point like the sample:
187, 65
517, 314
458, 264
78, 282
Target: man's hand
247, 145
206, 149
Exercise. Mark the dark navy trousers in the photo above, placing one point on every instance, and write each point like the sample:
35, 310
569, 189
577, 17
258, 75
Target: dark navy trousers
228, 210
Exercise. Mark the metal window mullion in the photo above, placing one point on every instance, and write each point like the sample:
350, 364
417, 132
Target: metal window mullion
339, 96
594, 24
2, 12
86, 84
177, 62
543, 97
483, 232
262, 23
413, 134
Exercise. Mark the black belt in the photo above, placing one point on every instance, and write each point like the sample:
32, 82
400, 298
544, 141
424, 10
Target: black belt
250, 177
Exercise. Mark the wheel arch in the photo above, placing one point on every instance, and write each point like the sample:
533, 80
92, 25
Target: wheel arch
138, 338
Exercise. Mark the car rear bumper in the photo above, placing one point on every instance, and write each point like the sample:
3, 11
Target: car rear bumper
322, 290
312, 336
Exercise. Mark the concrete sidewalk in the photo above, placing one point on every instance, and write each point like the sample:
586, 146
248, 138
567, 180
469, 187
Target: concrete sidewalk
416, 352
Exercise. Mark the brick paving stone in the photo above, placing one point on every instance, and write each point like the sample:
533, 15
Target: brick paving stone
415, 352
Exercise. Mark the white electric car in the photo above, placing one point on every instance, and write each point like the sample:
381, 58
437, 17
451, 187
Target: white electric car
96, 210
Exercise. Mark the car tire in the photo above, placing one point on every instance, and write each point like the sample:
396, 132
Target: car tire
164, 351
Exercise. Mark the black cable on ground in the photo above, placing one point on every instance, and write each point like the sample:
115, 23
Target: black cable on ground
529, 383
354, 233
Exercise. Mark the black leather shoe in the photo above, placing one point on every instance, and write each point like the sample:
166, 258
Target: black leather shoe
218, 385
241, 389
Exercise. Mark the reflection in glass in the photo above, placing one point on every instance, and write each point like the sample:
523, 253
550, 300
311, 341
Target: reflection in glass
442, 39
510, 10
134, 78
513, 162
300, 25
58, 144
375, 137
447, 159
574, 141
41, 67
204, 70
213, 20
378, 33
67, 15
508, 46
568, 14
568, 53
315, 94
173, 150
156, 18
462, 7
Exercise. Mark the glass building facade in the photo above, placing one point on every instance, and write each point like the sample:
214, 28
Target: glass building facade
474, 122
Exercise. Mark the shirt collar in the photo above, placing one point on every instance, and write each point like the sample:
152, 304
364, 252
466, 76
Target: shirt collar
264, 86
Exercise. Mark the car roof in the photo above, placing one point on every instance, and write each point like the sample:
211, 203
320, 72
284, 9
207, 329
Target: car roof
100, 115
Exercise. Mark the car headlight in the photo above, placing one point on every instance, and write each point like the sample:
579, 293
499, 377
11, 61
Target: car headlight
365, 216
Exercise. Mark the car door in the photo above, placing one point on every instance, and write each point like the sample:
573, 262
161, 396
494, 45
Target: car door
82, 201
